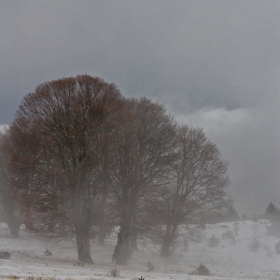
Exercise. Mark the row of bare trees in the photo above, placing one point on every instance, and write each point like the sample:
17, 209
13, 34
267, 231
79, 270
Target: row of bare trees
79, 156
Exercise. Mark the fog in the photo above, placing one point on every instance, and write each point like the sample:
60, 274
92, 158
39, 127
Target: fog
213, 64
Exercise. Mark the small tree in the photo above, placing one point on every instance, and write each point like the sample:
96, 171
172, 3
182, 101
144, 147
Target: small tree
272, 213
244, 217
231, 215
213, 241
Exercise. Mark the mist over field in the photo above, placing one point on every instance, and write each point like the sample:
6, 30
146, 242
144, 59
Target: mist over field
213, 64
149, 125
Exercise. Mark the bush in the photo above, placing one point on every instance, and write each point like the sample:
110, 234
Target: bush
48, 253
254, 245
150, 266
229, 235
4, 255
201, 270
213, 241
277, 248
114, 273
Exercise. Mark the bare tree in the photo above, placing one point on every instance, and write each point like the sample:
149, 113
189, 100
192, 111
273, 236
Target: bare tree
143, 154
55, 154
198, 182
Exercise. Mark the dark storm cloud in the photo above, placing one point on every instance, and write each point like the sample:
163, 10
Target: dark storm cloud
212, 63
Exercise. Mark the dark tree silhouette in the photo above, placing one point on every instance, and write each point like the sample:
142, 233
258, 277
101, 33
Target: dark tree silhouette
231, 215
6, 193
271, 211
143, 155
198, 182
56, 139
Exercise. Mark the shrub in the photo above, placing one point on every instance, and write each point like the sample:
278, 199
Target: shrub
254, 245
229, 235
150, 266
114, 273
277, 248
213, 241
201, 270
48, 253
5, 255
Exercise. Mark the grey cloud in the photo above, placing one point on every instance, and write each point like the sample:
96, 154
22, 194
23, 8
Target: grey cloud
188, 55
249, 140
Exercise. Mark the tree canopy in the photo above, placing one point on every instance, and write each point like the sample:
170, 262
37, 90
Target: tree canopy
78, 150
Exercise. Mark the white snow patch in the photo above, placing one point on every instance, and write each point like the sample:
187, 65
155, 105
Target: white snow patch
230, 260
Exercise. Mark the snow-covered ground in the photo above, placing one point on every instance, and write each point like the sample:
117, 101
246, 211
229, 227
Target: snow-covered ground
230, 260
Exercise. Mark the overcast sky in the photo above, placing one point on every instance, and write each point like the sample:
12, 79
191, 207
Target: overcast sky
214, 64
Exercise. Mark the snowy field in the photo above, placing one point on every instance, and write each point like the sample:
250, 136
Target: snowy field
231, 259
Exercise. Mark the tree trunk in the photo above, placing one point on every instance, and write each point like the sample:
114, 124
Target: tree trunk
133, 240
51, 226
27, 221
122, 250
83, 244
13, 224
102, 230
12, 220
165, 247
167, 241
